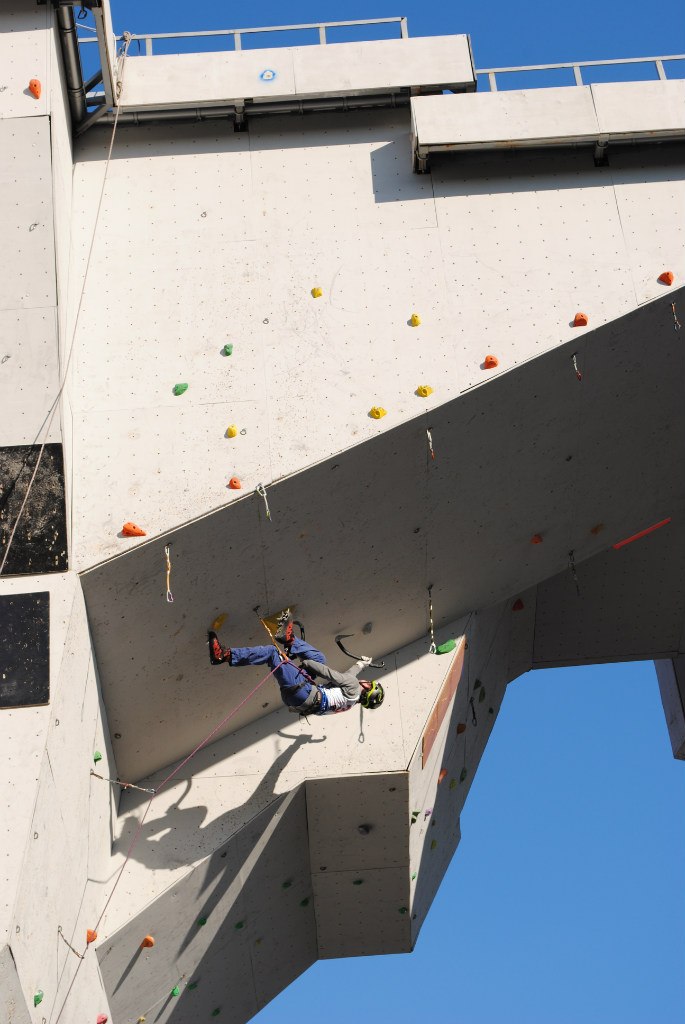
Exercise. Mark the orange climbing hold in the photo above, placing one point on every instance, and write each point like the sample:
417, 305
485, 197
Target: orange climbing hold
147, 943
666, 277
461, 727
517, 606
234, 483
91, 936
35, 88
597, 529
442, 775
490, 362
580, 320
536, 538
131, 530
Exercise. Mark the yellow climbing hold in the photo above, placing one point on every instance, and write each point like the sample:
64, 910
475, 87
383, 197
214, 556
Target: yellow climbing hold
415, 319
219, 621
232, 431
378, 412
424, 390
316, 293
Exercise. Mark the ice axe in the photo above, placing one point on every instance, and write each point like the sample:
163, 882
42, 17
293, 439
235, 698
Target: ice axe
356, 657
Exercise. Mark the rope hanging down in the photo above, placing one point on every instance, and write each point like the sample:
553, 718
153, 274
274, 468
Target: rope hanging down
55, 403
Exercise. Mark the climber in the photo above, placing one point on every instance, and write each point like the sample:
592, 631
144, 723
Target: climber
337, 691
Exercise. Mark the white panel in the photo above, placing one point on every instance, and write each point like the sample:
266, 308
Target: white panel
27, 260
193, 79
107, 47
273, 74
23, 734
504, 118
24, 42
362, 912
383, 65
646, 197
628, 108
29, 379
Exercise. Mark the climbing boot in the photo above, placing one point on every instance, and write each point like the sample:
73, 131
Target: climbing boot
284, 634
217, 653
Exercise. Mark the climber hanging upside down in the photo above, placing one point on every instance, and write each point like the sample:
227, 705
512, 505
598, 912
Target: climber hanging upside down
310, 688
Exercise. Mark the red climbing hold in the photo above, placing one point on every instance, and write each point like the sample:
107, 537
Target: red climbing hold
461, 727
35, 88
536, 538
442, 775
517, 606
147, 943
91, 936
666, 277
131, 530
490, 362
234, 483
580, 320
102, 1018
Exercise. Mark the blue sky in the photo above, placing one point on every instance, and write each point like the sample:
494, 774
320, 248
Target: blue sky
565, 902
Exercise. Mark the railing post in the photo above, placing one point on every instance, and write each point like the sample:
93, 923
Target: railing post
660, 69
148, 46
237, 42
493, 81
322, 35
404, 30
577, 75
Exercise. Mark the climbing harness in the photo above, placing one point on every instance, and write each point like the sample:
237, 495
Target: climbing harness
356, 657
575, 366
124, 785
261, 491
429, 437
167, 555
433, 648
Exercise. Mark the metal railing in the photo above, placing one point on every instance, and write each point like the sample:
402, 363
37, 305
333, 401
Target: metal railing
237, 33
576, 67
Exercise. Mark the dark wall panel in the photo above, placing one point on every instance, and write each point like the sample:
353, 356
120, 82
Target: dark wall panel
24, 649
40, 543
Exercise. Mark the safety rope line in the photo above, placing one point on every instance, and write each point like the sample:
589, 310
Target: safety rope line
139, 829
167, 555
55, 404
261, 491
66, 941
124, 785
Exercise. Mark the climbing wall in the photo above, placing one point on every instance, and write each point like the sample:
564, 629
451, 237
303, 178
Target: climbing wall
58, 819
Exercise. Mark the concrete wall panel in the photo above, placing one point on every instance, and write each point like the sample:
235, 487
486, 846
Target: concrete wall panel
28, 375
28, 261
626, 108
24, 54
12, 1003
671, 676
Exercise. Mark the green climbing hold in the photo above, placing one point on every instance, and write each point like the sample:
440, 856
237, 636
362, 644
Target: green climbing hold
403, 910
304, 902
286, 884
491, 711
97, 756
358, 881
227, 350
434, 843
464, 773
481, 697
201, 921
38, 998
445, 648
176, 991
180, 389
216, 1012
477, 684
414, 816
413, 876
239, 925
453, 783
192, 984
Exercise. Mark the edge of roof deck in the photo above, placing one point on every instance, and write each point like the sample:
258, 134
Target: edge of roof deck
293, 74
561, 116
